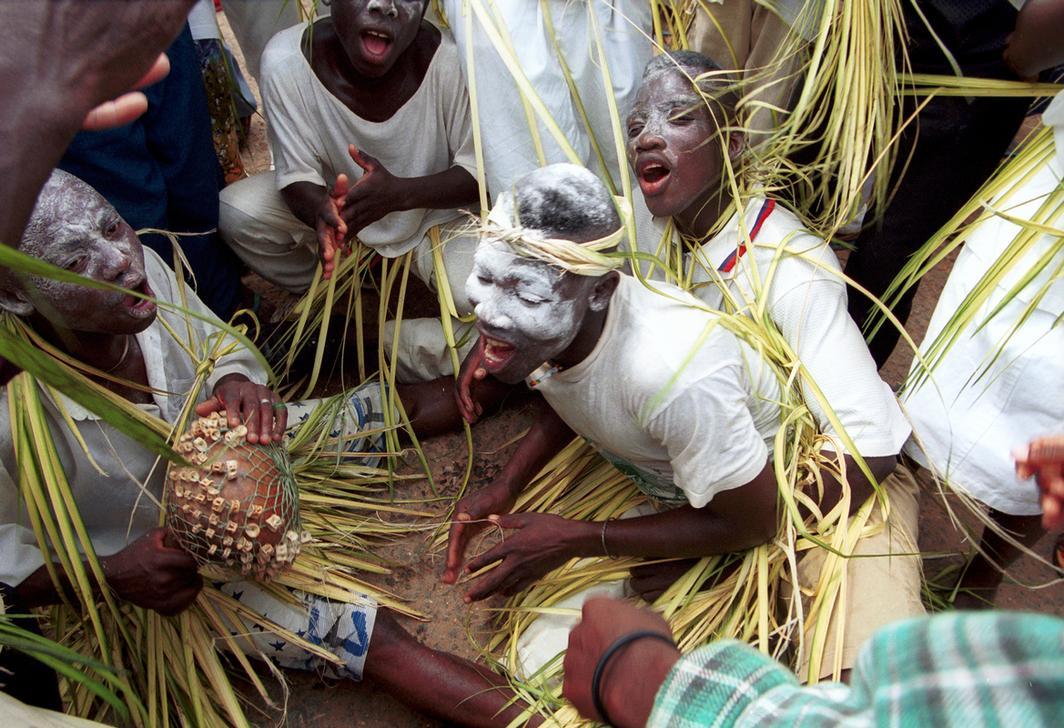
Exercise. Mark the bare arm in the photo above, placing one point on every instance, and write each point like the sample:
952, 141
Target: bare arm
1038, 41
444, 686
734, 520
150, 573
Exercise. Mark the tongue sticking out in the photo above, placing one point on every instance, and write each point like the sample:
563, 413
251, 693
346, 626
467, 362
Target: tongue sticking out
375, 45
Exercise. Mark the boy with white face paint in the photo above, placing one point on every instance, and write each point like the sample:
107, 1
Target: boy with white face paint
656, 383
760, 257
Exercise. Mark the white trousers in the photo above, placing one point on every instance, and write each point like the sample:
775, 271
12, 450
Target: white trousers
260, 228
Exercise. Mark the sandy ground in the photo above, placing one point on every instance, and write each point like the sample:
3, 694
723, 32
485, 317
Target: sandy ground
312, 702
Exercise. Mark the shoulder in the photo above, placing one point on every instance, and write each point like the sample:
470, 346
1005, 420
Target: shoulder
441, 55
669, 336
283, 53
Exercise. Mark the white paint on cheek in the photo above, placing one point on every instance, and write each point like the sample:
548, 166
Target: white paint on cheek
501, 307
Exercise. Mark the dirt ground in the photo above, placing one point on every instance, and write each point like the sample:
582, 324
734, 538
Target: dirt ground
312, 702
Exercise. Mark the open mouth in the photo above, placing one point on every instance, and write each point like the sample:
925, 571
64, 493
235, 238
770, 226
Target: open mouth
653, 176
375, 43
140, 307
497, 354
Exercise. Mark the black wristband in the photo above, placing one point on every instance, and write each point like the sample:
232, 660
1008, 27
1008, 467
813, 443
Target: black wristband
600, 668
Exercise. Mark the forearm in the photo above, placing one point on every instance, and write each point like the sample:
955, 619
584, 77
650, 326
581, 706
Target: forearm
859, 486
436, 683
304, 199
684, 532
452, 189
547, 437
39, 590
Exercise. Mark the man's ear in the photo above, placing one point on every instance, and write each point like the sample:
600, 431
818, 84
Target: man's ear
14, 301
603, 290
736, 144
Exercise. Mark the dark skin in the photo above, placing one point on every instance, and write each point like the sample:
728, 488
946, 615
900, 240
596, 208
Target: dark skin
632, 677
439, 684
671, 128
106, 49
374, 86
536, 543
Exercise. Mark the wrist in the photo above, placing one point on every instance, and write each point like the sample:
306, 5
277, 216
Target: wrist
632, 681
406, 194
585, 538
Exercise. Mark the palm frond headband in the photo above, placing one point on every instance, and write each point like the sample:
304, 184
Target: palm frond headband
584, 259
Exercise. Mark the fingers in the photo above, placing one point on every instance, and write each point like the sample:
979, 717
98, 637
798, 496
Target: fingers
366, 162
341, 188
456, 543
467, 405
181, 600
159, 70
263, 429
496, 553
491, 582
280, 420
214, 404
126, 109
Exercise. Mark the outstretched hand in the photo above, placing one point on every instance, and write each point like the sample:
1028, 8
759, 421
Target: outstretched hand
373, 195
256, 406
533, 544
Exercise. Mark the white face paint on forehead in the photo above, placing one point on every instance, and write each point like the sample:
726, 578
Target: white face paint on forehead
527, 314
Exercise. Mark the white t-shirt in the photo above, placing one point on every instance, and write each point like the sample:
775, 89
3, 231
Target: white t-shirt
121, 503
969, 421
685, 417
310, 129
807, 302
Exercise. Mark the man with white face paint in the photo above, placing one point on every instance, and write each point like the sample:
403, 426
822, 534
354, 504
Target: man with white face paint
656, 383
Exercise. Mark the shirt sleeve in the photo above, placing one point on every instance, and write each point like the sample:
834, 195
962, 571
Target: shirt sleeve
932, 670
812, 315
204, 325
715, 685
291, 127
19, 555
709, 432
458, 119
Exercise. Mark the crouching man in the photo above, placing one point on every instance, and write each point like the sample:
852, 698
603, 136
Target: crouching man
650, 377
129, 345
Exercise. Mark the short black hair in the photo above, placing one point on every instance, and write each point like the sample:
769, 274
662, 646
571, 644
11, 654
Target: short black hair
565, 201
717, 84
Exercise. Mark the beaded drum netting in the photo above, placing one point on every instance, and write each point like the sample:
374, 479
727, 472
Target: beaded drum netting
235, 504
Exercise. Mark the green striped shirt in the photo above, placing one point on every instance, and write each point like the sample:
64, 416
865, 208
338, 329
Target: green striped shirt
953, 669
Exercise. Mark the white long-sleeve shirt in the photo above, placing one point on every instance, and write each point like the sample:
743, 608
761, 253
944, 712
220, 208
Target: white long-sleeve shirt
122, 502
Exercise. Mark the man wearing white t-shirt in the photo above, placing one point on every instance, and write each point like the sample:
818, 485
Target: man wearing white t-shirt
761, 261
656, 383
370, 129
